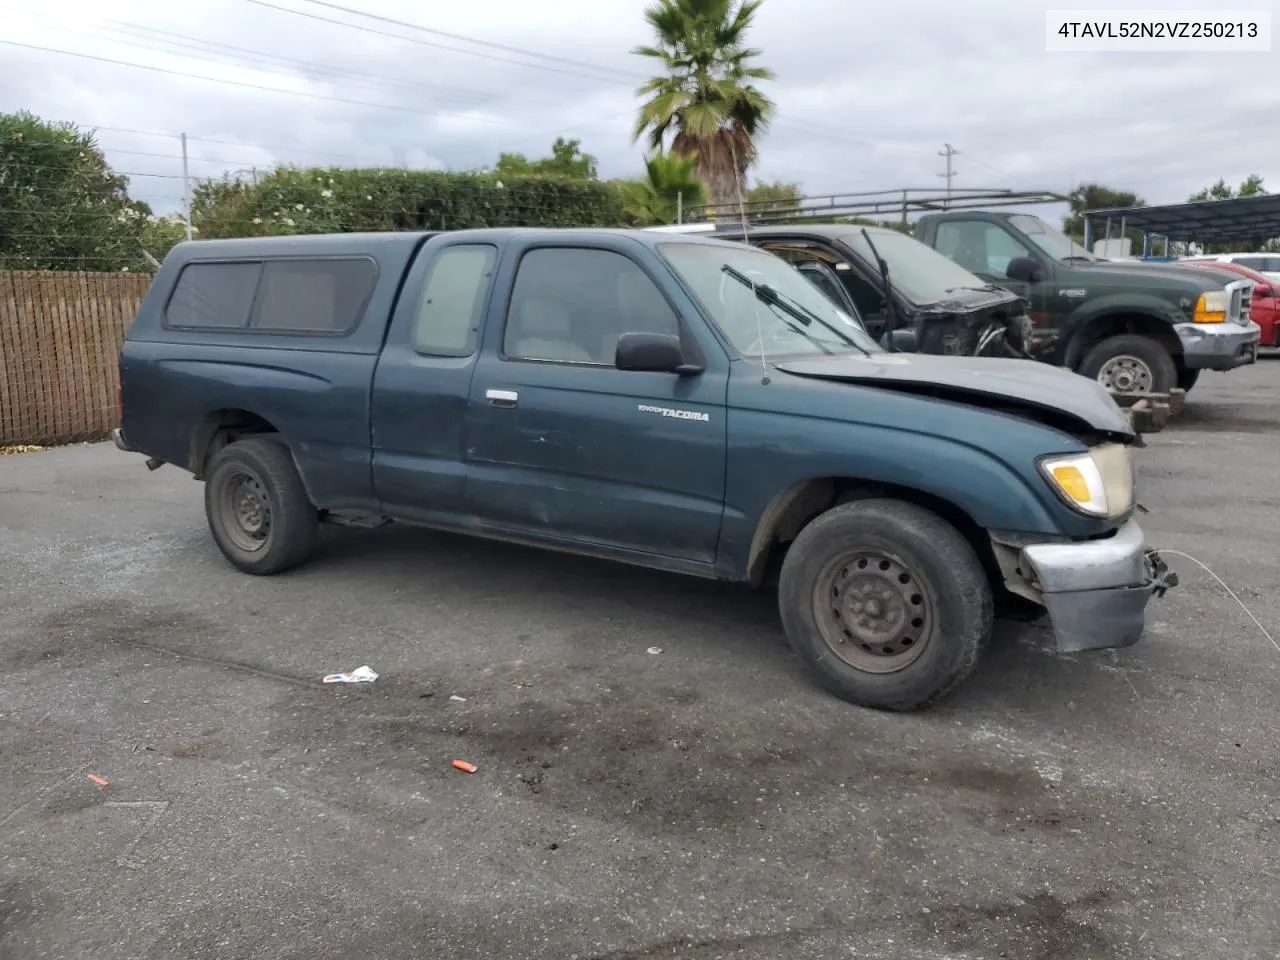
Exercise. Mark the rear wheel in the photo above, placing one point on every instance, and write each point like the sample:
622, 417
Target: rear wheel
257, 507
886, 603
1131, 364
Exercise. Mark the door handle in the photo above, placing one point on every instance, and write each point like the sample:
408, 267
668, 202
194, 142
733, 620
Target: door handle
502, 398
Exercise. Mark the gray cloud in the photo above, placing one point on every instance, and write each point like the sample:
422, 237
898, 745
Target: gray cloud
866, 95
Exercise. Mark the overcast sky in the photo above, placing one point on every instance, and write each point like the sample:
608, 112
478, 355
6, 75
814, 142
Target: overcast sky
866, 94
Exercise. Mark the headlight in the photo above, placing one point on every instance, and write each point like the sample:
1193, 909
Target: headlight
1211, 308
1099, 483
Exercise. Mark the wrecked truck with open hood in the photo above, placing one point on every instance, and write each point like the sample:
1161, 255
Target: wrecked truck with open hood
674, 402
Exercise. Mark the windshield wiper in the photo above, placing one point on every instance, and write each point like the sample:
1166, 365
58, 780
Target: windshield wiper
890, 308
768, 295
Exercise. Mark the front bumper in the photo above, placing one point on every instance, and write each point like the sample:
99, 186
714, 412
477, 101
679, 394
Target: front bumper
1218, 346
1096, 591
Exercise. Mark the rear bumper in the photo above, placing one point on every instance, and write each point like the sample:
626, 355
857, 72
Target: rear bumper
1218, 346
1096, 591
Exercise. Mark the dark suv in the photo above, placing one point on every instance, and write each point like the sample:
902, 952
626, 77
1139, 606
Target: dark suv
946, 306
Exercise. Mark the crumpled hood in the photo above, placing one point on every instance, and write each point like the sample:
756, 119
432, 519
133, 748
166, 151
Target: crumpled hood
970, 300
1028, 382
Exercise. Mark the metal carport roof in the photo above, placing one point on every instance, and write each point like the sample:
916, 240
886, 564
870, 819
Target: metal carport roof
1238, 220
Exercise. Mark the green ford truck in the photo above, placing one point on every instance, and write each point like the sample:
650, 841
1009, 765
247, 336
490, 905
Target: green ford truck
1135, 327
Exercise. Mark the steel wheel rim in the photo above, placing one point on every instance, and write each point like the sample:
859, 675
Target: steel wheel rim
873, 611
245, 510
1126, 374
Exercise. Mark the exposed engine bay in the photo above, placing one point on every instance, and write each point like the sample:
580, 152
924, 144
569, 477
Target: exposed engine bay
996, 325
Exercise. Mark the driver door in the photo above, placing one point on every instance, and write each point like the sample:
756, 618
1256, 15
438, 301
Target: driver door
562, 445
986, 249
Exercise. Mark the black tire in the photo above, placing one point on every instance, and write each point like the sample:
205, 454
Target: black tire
259, 473
1187, 379
1152, 363
946, 598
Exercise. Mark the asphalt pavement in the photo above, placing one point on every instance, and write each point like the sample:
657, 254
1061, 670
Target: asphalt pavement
703, 801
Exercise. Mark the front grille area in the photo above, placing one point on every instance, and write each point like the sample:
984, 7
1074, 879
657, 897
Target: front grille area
1239, 301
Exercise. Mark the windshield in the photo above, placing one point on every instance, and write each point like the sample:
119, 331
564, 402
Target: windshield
916, 271
1053, 242
750, 324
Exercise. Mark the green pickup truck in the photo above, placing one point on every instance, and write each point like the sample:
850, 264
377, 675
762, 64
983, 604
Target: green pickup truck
1136, 328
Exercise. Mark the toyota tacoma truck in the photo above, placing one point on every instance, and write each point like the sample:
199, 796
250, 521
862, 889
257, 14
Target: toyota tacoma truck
1137, 328
674, 402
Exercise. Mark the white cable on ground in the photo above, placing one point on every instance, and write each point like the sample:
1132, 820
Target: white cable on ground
1231, 593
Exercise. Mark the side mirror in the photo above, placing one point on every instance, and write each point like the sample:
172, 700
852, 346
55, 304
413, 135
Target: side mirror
654, 352
901, 341
1024, 270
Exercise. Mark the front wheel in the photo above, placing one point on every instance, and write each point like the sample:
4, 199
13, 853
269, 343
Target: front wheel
886, 603
1131, 364
257, 507
1187, 379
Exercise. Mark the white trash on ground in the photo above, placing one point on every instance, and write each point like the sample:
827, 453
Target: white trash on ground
363, 674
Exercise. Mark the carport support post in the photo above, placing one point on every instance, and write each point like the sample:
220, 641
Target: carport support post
186, 187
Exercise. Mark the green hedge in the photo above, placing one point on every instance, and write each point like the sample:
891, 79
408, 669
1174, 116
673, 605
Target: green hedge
337, 200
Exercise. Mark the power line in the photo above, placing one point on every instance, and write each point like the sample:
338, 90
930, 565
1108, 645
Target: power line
260, 60
131, 153
168, 135
258, 86
243, 56
542, 137
326, 155
266, 148
483, 43
439, 46
818, 130
1002, 173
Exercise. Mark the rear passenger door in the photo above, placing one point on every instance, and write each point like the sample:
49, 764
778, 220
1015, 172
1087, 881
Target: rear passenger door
423, 380
562, 445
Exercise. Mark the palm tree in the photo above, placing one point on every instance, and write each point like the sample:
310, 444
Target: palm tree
705, 97
668, 185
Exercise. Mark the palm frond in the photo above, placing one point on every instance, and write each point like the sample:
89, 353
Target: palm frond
705, 100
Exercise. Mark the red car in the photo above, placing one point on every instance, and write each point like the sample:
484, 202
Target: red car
1265, 310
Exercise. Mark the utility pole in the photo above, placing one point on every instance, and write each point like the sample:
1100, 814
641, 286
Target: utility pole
948, 152
186, 187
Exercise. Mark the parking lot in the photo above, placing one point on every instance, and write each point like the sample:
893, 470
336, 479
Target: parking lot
702, 801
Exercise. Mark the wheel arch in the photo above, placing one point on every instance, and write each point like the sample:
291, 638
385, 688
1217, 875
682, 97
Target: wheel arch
1094, 330
795, 507
221, 427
